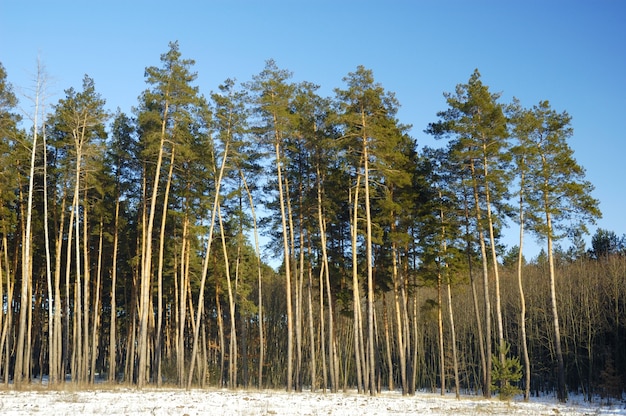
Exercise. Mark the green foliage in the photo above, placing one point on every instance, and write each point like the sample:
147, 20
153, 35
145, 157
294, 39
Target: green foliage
505, 376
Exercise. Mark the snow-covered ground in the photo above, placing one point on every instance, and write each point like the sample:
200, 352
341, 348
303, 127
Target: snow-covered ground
126, 401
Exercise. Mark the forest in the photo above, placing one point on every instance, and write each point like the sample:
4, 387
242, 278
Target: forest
137, 248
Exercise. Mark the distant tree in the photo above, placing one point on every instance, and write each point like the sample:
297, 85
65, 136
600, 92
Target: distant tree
605, 242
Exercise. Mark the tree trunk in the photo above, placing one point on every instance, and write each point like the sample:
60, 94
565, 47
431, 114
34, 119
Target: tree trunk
370, 272
232, 348
356, 297
146, 258
57, 349
561, 388
113, 327
442, 355
455, 361
205, 266
182, 303
313, 358
496, 274
257, 251
20, 371
220, 329
96, 308
159, 323
483, 254
87, 295
387, 345
8, 322
53, 375
520, 259
400, 327
287, 259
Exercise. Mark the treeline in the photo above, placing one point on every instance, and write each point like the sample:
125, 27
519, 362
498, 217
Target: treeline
132, 244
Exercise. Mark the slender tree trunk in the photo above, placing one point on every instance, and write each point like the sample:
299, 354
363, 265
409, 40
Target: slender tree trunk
181, 311
450, 311
496, 274
5, 342
232, 348
325, 270
390, 385
520, 260
96, 308
442, 355
87, 295
399, 323
323, 330
561, 388
206, 265
313, 359
356, 297
257, 251
370, 271
3, 320
408, 347
483, 254
20, 371
113, 327
146, 269
67, 362
287, 255
53, 357
220, 328
159, 323
61, 367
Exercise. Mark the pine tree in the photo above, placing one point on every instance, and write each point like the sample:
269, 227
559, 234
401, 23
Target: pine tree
476, 122
165, 115
559, 189
370, 131
273, 94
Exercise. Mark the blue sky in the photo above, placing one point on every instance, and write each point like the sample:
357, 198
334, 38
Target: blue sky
572, 53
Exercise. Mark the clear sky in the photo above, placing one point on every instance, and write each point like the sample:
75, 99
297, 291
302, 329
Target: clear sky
572, 53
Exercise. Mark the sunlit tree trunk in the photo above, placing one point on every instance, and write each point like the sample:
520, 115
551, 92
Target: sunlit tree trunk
356, 297
257, 251
21, 361
95, 331
494, 260
398, 314
561, 389
483, 255
182, 302
205, 266
113, 327
520, 261
8, 322
442, 362
146, 266
85, 335
370, 271
232, 347
159, 324
455, 361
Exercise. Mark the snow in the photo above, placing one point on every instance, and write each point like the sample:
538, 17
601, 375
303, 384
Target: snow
168, 401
